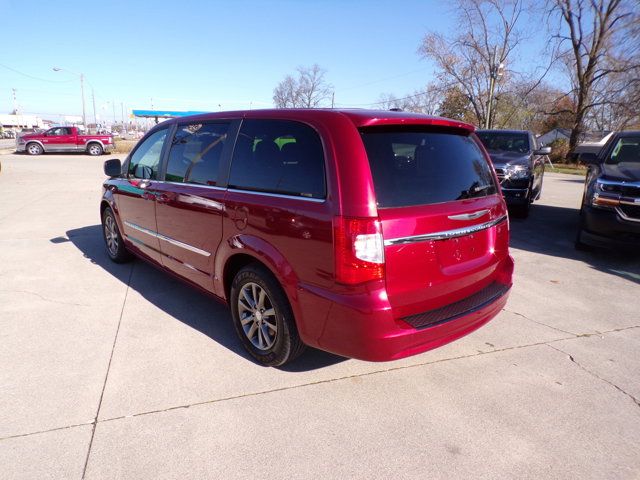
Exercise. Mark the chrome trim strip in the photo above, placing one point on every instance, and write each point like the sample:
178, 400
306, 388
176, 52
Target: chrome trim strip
469, 216
278, 195
626, 217
445, 235
173, 241
198, 185
627, 201
619, 183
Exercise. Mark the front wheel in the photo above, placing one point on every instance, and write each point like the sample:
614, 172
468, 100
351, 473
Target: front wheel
112, 238
94, 149
35, 149
521, 210
263, 318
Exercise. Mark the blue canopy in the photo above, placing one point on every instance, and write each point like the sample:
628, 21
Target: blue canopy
162, 113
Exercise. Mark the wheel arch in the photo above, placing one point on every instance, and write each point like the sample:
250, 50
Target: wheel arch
26, 145
241, 250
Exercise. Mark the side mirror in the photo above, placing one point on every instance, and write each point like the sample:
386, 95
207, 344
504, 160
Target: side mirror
589, 158
112, 168
543, 151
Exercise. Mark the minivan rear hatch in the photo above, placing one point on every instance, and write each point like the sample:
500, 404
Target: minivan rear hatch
443, 219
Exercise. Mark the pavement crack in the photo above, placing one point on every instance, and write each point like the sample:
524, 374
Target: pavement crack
329, 380
46, 299
621, 390
106, 376
538, 322
66, 427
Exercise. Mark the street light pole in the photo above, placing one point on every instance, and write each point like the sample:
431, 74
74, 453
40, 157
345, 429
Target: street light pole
84, 116
95, 119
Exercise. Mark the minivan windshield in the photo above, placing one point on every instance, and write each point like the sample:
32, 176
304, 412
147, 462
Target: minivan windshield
413, 167
505, 141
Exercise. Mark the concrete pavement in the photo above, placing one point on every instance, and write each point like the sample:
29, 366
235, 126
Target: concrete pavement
118, 371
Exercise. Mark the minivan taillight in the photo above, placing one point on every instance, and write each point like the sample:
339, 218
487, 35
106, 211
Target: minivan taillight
359, 250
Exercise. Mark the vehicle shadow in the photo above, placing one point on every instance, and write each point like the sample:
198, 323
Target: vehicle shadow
551, 230
182, 302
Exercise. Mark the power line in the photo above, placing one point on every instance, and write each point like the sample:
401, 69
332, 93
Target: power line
31, 76
400, 75
385, 101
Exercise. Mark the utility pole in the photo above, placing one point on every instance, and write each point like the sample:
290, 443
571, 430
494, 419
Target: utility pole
124, 126
495, 71
333, 99
95, 119
15, 103
84, 116
113, 106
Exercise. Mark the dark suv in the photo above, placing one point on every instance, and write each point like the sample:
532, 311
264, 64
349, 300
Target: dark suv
370, 234
519, 164
610, 210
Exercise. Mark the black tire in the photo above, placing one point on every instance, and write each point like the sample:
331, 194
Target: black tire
113, 242
94, 149
578, 243
34, 149
522, 210
285, 342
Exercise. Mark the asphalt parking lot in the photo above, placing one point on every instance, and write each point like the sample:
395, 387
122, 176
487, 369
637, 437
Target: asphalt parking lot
119, 371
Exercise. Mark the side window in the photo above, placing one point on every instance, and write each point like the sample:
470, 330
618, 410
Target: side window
195, 153
278, 156
145, 159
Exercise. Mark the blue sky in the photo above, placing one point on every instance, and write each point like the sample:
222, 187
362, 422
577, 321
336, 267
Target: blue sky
207, 55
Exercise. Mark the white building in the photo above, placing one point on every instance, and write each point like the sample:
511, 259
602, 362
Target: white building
18, 122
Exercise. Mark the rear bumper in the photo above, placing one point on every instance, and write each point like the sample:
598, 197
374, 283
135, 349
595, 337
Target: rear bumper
364, 326
605, 228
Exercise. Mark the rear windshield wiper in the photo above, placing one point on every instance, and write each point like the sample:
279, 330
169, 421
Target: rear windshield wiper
474, 190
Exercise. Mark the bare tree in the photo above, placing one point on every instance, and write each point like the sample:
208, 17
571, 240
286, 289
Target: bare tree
286, 94
601, 56
425, 101
490, 33
308, 90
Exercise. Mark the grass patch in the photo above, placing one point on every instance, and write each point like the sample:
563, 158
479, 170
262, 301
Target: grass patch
124, 146
571, 169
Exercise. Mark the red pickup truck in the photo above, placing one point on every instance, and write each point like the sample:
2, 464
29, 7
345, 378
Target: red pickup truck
64, 139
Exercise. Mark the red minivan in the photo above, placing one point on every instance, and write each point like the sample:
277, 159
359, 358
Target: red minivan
370, 234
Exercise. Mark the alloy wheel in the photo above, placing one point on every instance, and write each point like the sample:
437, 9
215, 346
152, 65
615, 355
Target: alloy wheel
257, 316
111, 235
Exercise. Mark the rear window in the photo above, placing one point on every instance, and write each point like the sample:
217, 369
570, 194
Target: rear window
412, 167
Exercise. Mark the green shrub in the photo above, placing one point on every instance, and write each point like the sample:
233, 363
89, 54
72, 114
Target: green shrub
559, 151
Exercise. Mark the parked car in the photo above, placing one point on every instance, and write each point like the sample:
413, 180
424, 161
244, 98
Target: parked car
308, 227
610, 209
64, 139
519, 163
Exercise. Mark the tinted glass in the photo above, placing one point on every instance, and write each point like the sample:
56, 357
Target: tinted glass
626, 150
145, 160
505, 141
421, 168
279, 157
195, 153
